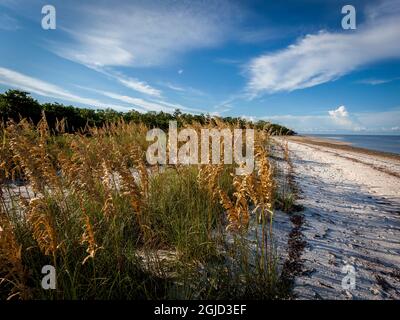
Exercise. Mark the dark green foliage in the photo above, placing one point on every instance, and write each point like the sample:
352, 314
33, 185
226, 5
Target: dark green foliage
16, 105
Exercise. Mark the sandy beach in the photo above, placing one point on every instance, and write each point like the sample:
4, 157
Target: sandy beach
351, 200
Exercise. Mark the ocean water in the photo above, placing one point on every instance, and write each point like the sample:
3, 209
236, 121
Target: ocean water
372, 142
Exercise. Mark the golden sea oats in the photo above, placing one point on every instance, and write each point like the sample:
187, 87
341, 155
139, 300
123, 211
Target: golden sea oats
12, 270
250, 183
108, 207
237, 210
88, 236
137, 155
231, 212
26, 153
208, 178
266, 184
42, 224
241, 204
130, 188
31, 157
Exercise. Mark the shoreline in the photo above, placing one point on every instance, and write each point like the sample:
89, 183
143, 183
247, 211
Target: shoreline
351, 201
341, 145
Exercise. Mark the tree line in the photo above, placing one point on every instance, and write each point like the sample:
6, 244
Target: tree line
16, 105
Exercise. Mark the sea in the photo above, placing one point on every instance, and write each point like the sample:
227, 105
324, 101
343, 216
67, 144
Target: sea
384, 143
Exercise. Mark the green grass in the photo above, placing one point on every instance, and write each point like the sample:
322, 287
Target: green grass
175, 247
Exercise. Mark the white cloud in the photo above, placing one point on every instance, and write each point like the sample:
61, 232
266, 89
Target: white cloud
103, 36
137, 102
21, 81
339, 113
174, 87
144, 33
326, 56
183, 90
341, 117
139, 86
228, 61
18, 80
142, 104
131, 83
340, 120
374, 82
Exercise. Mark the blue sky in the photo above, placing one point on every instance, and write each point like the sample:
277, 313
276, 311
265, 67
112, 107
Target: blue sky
285, 61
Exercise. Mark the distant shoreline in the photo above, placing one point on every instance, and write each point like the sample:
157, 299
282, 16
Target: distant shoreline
342, 145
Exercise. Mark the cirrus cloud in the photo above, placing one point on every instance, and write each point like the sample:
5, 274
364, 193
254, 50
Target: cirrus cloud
21, 81
143, 34
326, 56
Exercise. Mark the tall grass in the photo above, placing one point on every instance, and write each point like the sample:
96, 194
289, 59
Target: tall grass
116, 228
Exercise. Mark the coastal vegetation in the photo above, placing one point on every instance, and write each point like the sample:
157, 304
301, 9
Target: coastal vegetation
76, 193
16, 105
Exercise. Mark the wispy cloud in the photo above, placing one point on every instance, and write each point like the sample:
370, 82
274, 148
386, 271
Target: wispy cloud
228, 61
224, 106
264, 34
374, 82
139, 86
144, 33
24, 82
18, 80
182, 89
137, 102
8, 23
174, 87
175, 106
142, 104
326, 56
129, 82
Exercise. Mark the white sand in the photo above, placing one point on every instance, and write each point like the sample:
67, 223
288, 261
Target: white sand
352, 215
